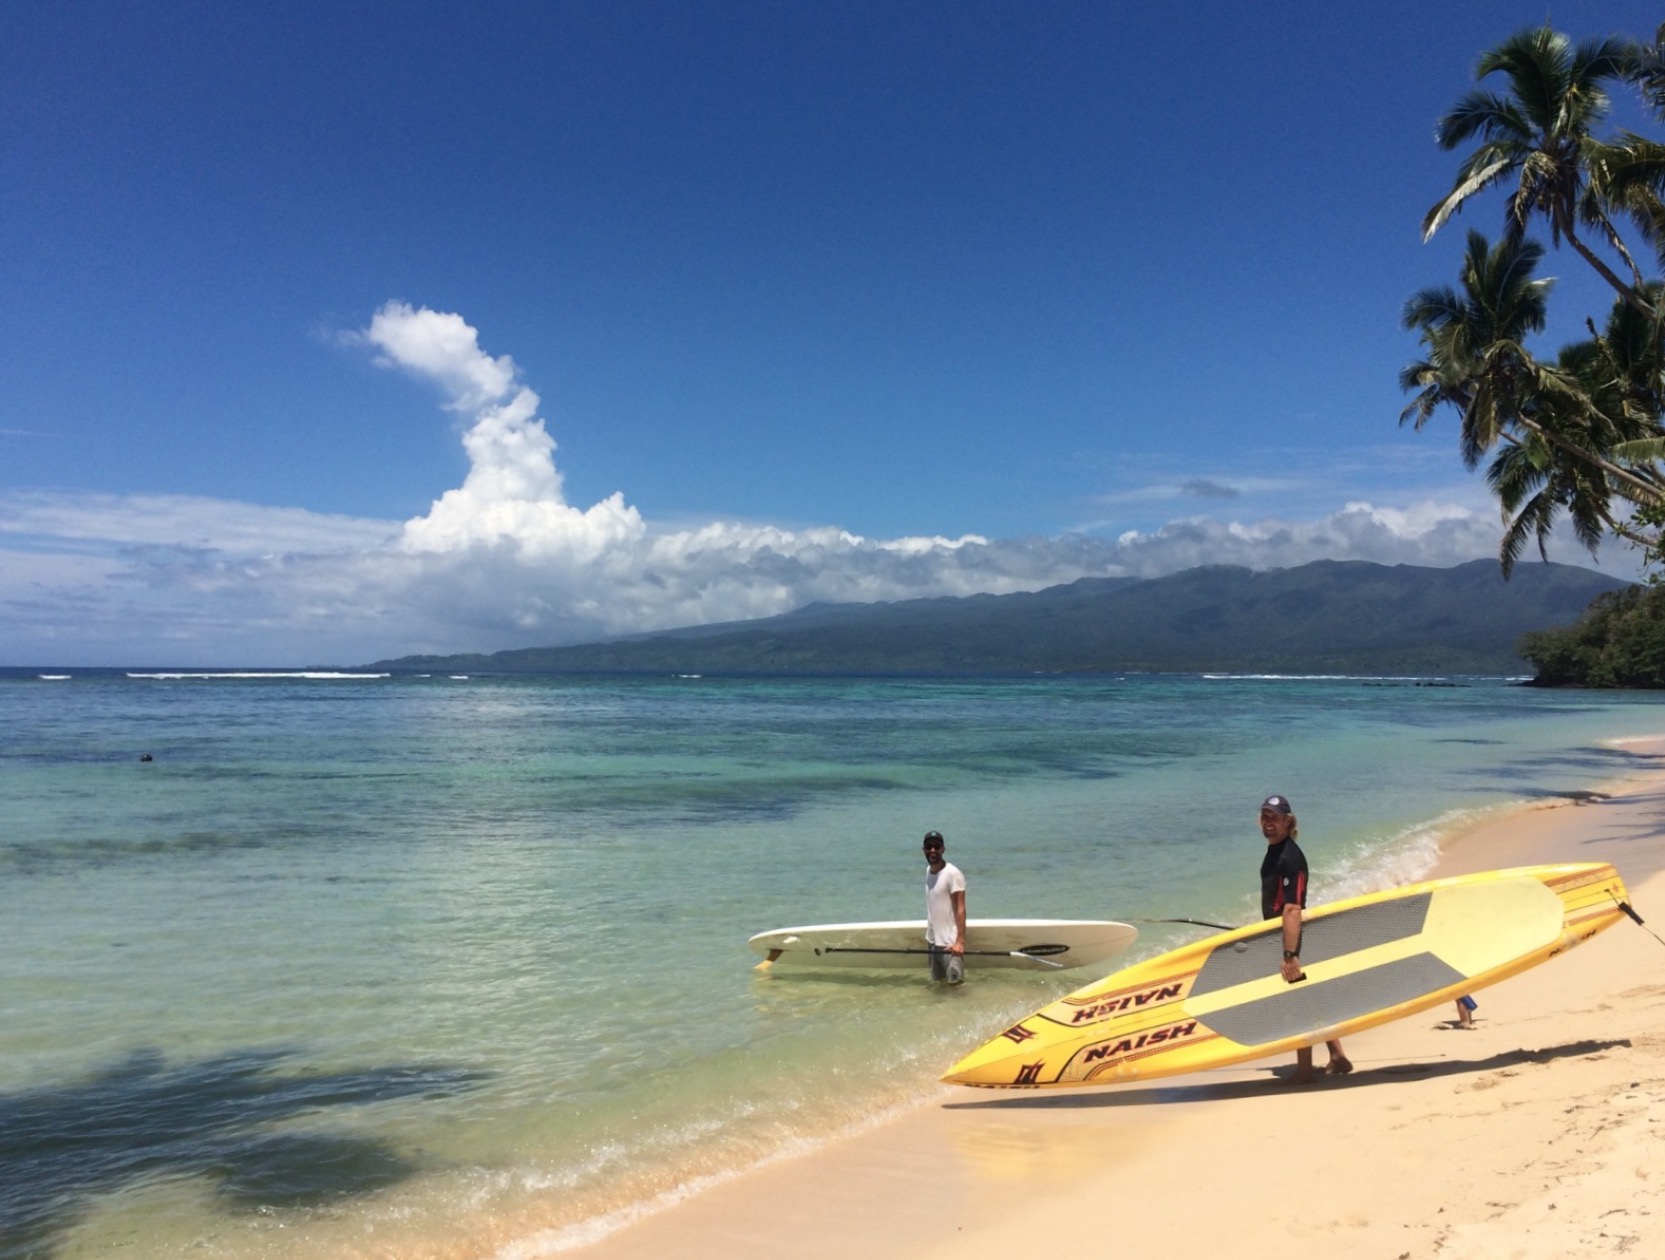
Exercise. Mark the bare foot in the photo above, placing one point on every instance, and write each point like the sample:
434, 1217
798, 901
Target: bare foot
1339, 1066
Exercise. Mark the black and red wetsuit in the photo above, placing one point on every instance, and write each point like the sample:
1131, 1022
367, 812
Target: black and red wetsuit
1283, 878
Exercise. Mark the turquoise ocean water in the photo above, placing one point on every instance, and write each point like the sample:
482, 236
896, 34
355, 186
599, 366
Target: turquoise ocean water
457, 966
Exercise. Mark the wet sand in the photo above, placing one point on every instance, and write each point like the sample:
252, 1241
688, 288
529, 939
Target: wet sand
1536, 1134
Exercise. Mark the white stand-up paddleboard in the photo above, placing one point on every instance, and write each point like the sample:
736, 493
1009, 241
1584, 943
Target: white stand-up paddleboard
1028, 944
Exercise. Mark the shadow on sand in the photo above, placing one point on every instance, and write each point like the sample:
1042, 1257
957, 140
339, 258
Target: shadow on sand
1525, 776
140, 1119
1273, 1081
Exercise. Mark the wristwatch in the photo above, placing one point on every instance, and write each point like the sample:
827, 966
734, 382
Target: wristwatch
1289, 955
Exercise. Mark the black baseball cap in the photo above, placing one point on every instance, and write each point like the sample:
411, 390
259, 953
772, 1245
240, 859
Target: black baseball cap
934, 837
1277, 805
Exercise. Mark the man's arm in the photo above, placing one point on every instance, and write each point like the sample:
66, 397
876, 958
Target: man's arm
1291, 968
958, 899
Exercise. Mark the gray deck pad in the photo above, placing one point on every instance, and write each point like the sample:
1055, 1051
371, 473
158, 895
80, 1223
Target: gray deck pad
1309, 1006
1332, 936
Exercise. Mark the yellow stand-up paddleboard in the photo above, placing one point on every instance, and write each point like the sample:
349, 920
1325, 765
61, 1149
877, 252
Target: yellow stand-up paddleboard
1367, 960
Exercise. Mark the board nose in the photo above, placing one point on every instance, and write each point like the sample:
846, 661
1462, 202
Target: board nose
997, 1062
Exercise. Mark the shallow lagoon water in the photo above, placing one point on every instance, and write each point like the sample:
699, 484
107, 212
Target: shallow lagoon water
440, 966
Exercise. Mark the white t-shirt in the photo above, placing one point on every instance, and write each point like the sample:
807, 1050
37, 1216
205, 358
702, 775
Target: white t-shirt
940, 887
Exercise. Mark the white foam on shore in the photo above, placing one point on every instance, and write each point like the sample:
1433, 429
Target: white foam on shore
1446, 679
551, 1242
1409, 856
313, 674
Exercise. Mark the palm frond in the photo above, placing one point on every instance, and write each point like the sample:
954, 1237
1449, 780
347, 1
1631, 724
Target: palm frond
1640, 452
1474, 181
1485, 114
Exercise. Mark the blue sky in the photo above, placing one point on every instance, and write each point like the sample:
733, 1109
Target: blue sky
815, 301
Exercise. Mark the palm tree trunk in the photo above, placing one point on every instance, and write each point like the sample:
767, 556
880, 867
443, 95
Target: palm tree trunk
1631, 293
1642, 491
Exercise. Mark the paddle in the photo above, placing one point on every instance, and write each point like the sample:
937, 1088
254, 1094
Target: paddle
1637, 919
1224, 927
1033, 953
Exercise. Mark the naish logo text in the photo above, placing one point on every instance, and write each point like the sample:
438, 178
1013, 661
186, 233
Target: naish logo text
1163, 993
1127, 1045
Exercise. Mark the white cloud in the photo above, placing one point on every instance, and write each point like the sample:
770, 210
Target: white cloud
513, 493
442, 347
103, 521
1428, 533
504, 561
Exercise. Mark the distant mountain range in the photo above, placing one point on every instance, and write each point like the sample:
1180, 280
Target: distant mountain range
1332, 616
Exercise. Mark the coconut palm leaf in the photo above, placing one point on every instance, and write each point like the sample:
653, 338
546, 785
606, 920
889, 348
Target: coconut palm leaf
1540, 135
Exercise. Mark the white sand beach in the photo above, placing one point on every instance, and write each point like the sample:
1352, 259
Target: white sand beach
1536, 1134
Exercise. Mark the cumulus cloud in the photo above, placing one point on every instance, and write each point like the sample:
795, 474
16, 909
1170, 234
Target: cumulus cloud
503, 560
513, 493
1428, 533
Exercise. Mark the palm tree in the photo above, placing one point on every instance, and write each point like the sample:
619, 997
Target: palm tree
1541, 136
1621, 371
1557, 426
1533, 489
1647, 70
1628, 175
1475, 341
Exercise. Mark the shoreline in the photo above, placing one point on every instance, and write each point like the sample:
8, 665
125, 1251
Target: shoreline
1474, 1138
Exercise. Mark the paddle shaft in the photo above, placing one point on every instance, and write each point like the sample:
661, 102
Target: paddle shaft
1224, 927
925, 953
1637, 919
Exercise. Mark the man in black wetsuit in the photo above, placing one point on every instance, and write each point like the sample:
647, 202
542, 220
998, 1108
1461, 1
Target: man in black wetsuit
1283, 895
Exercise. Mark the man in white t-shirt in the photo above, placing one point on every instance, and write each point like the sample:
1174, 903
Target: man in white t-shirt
944, 912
